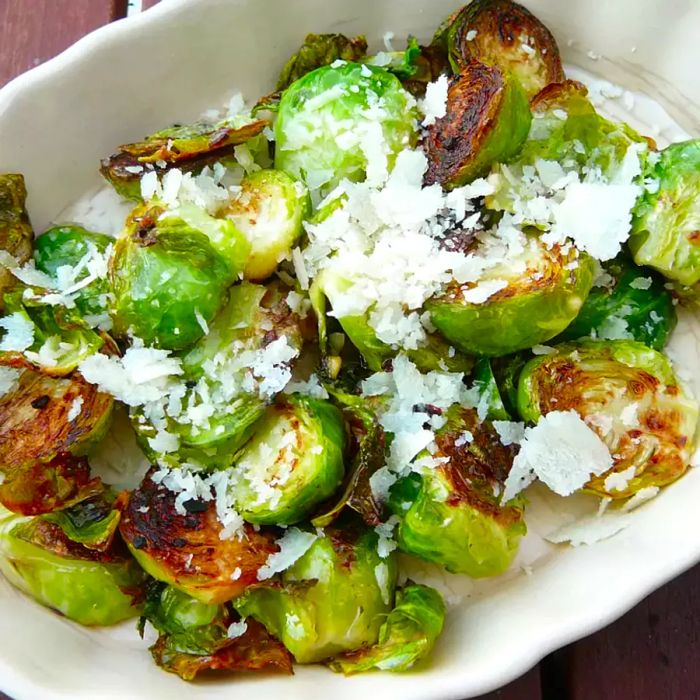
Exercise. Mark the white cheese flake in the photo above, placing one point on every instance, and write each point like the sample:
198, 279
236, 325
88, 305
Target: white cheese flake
292, 546
237, 629
434, 104
75, 409
619, 481
9, 376
642, 496
19, 333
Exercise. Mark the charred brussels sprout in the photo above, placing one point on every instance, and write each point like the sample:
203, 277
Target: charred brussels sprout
68, 252
268, 210
539, 293
293, 462
634, 304
169, 276
181, 544
190, 148
16, 232
666, 225
196, 637
451, 514
333, 599
320, 50
628, 394
407, 636
330, 125
45, 424
85, 585
487, 121
505, 34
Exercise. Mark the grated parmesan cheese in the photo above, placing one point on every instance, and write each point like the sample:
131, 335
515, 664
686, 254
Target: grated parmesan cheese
434, 104
19, 333
292, 546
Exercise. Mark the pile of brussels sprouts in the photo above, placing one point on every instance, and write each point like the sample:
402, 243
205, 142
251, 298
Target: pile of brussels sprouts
204, 306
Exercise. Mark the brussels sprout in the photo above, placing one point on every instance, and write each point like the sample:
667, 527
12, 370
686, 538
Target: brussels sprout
268, 210
69, 249
505, 34
330, 125
154, 250
320, 50
44, 424
666, 225
194, 637
182, 546
16, 233
367, 449
628, 394
487, 121
408, 635
189, 148
451, 514
293, 462
506, 371
489, 392
435, 354
333, 599
635, 305
87, 586
57, 338
544, 291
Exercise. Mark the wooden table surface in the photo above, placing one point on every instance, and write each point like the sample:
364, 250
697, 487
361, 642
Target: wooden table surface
651, 653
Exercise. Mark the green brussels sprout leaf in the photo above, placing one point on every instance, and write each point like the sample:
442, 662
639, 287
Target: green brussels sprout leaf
16, 234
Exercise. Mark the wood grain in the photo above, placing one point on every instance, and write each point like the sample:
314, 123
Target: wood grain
652, 652
32, 31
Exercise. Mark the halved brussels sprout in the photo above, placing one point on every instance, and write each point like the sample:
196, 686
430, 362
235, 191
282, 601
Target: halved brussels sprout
452, 513
190, 148
87, 586
52, 337
182, 546
505, 34
333, 599
170, 276
407, 636
666, 225
16, 234
435, 354
293, 462
68, 249
489, 391
350, 121
195, 637
635, 305
368, 443
44, 424
268, 210
487, 121
629, 395
539, 293
320, 50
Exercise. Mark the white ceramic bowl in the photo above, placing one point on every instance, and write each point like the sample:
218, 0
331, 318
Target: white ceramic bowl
172, 63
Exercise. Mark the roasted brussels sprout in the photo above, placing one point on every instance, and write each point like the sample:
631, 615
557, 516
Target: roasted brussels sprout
320, 50
487, 122
16, 232
293, 462
344, 122
505, 34
666, 225
407, 636
538, 294
269, 210
628, 394
633, 305
367, 450
179, 542
489, 392
435, 354
451, 513
189, 148
85, 585
41, 334
201, 257
333, 599
67, 253
196, 637
45, 424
